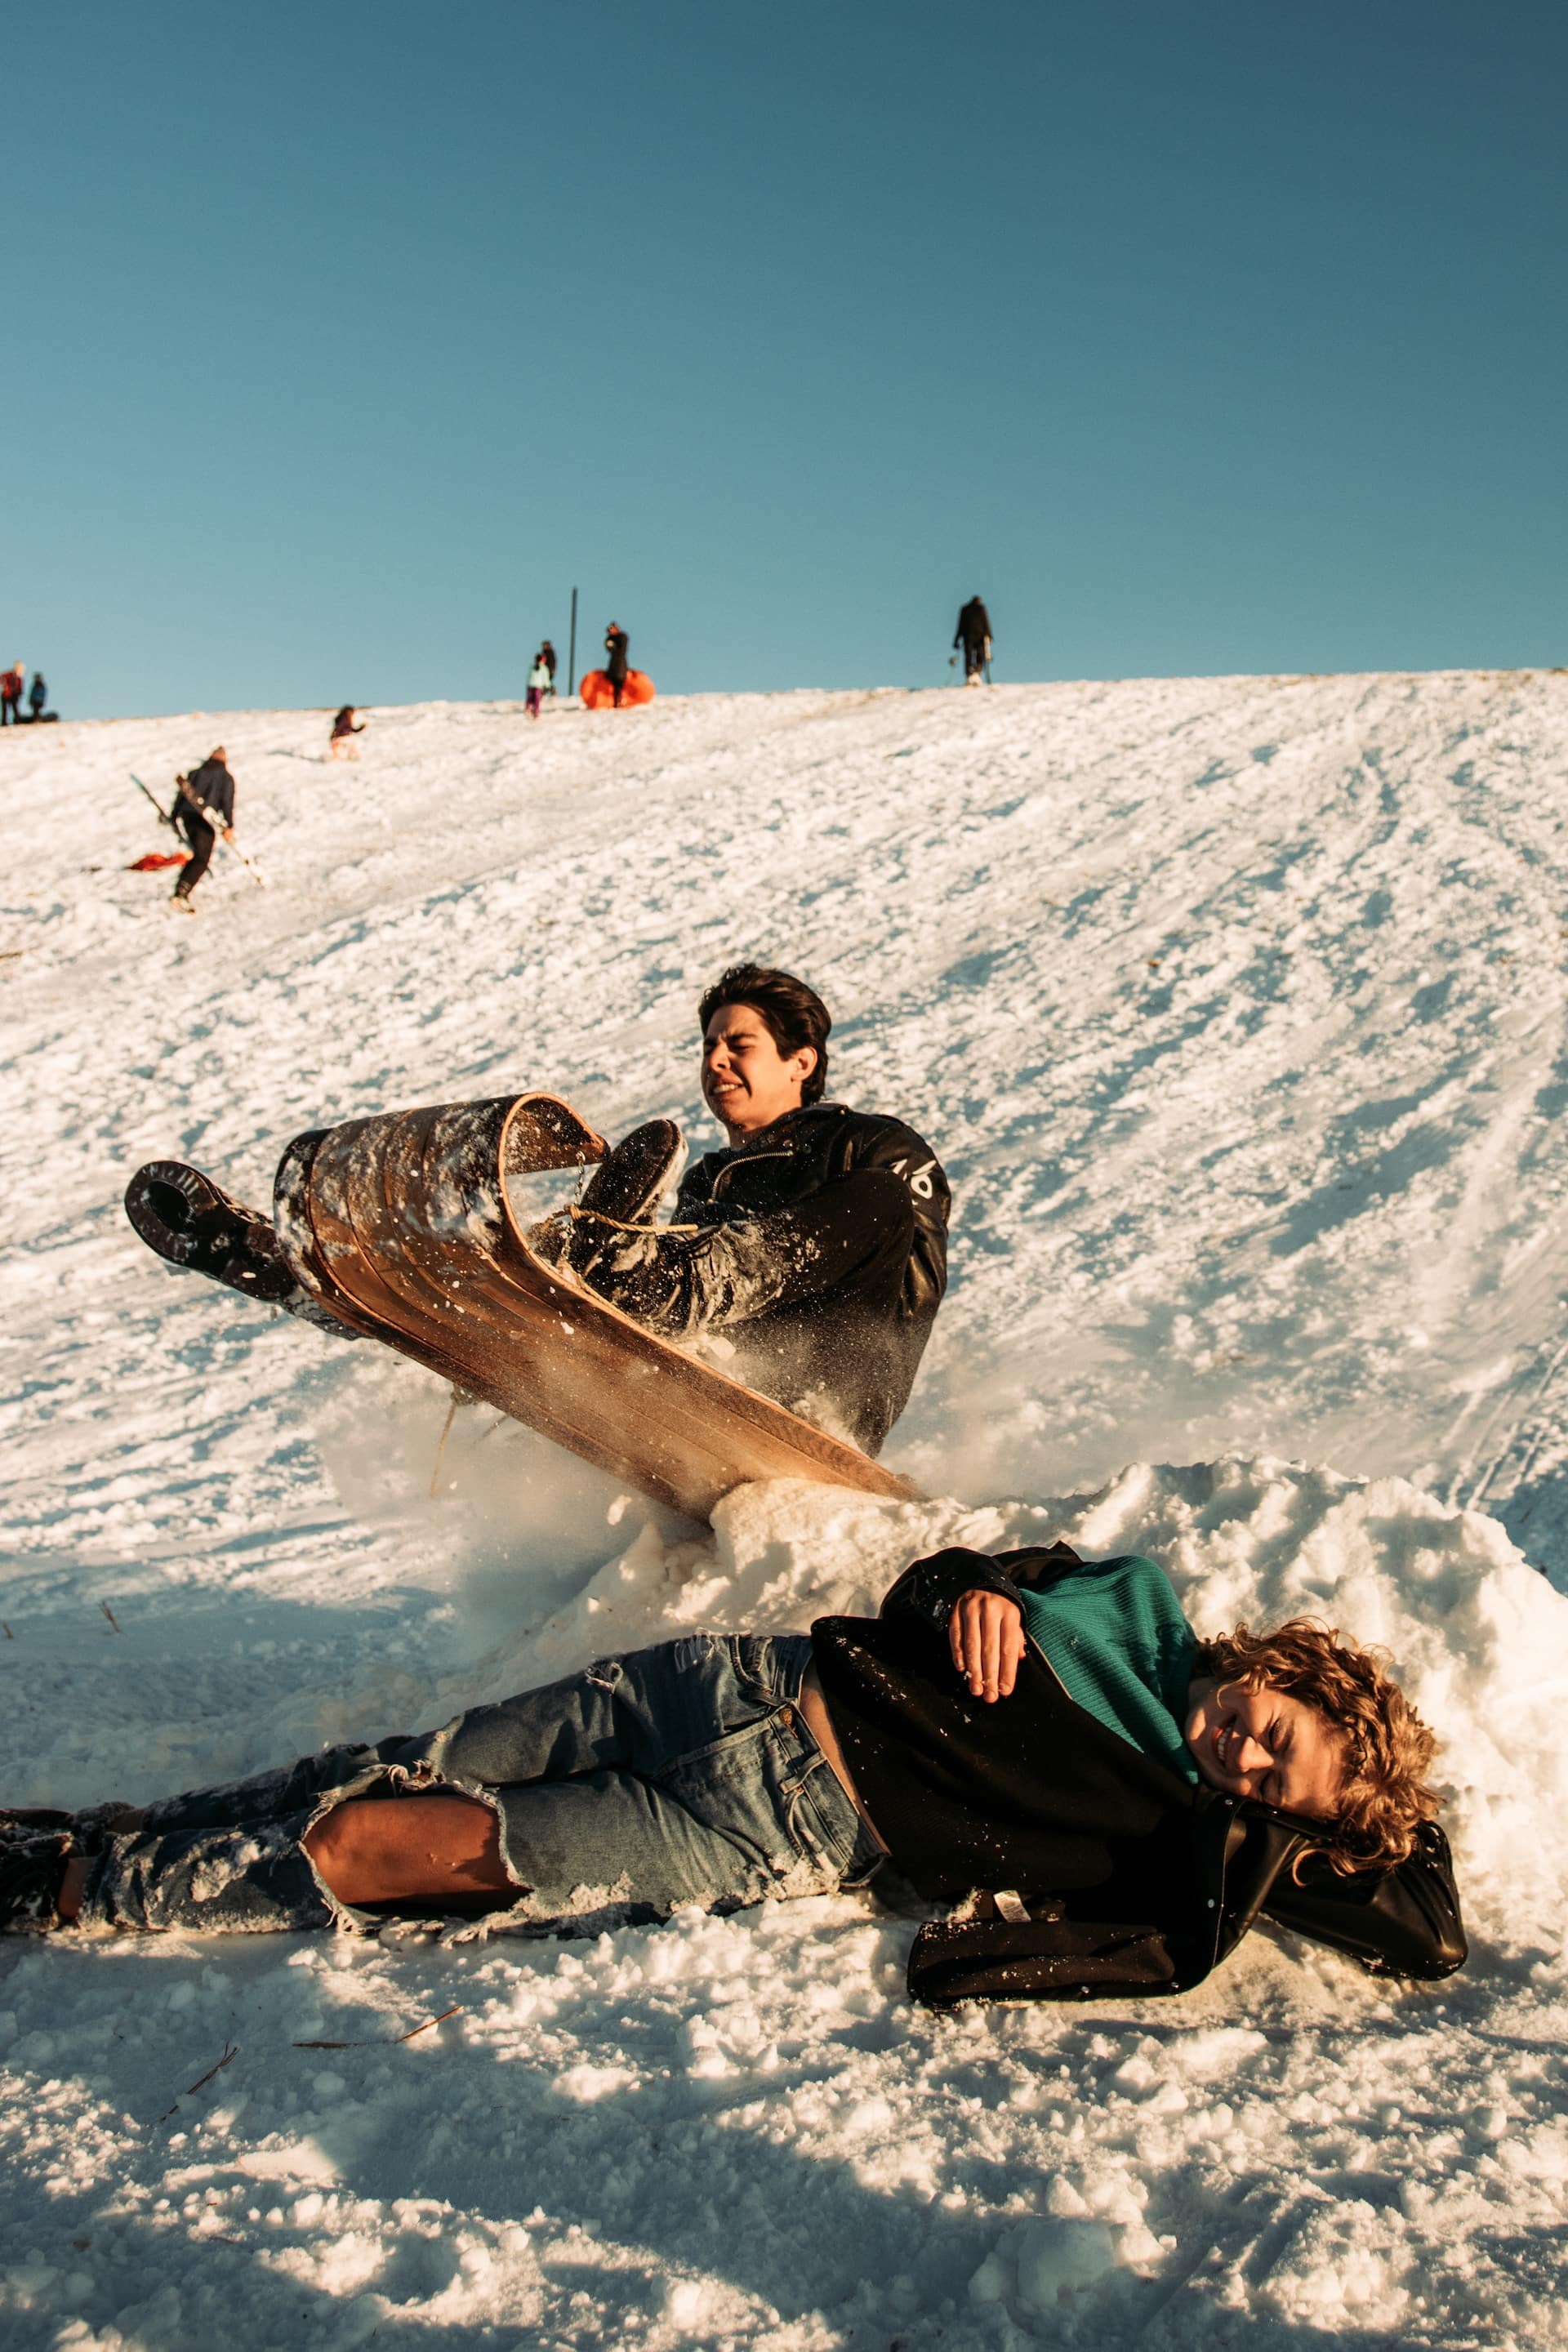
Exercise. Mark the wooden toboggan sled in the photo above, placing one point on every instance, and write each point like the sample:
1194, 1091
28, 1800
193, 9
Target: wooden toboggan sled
400, 1227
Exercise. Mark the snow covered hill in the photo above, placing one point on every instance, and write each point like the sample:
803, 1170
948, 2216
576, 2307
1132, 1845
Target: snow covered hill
1237, 1009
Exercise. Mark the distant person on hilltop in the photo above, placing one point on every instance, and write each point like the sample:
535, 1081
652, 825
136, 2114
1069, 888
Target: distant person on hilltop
37, 695
342, 745
973, 634
616, 660
204, 805
540, 683
11, 681
547, 655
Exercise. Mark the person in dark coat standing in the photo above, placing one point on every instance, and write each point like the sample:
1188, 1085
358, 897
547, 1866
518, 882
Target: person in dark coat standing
204, 803
547, 655
37, 695
616, 660
973, 634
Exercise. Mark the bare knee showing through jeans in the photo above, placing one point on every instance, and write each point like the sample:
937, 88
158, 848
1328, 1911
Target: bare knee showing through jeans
391, 1849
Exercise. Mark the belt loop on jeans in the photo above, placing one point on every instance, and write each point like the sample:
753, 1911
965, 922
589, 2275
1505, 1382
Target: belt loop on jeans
789, 1719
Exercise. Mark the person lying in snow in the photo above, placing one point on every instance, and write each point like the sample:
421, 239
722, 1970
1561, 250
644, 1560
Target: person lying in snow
1040, 1742
808, 1258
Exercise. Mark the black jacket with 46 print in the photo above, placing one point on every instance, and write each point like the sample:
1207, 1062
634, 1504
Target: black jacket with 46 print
809, 1260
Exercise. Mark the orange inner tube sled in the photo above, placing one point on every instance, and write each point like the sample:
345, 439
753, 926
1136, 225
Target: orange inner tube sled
598, 693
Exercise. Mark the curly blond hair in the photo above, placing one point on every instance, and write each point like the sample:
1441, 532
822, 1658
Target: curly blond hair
1386, 1750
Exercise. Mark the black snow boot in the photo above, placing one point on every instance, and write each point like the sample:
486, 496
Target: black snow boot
32, 1865
86, 1830
192, 1221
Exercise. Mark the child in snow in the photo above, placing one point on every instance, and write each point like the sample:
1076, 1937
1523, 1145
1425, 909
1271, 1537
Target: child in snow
809, 1256
1104, 1801
343, 744
539, 684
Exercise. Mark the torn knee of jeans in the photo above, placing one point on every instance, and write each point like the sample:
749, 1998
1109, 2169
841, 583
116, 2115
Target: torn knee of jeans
393, 1780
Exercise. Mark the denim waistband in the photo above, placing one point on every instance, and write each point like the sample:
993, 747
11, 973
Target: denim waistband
778, 1663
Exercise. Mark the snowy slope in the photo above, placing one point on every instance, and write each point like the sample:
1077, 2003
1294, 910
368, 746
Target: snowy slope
1235, 1009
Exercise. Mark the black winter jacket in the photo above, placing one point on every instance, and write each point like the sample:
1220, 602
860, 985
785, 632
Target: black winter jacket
973, 623
209, 792
1128, 1878
817, 1249
870, 1196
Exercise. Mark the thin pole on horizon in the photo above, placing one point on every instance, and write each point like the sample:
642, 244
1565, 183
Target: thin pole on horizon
571, 648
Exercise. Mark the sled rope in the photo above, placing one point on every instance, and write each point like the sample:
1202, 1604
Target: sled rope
597, 1217
441, 1445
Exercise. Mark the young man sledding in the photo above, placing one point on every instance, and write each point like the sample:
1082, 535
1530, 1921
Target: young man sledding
1102, 1801
807, 1259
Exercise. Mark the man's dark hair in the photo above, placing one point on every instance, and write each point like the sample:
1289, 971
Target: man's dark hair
792, 1014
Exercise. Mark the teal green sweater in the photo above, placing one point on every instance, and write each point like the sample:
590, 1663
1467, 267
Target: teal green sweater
1114, 1634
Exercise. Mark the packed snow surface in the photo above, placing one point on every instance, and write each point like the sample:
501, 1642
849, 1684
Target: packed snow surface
1235, 1009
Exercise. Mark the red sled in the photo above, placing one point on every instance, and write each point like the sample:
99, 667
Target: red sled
598, 693
156, 858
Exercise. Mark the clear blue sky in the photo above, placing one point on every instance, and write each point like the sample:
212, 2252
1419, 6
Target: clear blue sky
342, 336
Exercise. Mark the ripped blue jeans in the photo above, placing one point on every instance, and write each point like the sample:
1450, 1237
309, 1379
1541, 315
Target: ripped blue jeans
679, 1774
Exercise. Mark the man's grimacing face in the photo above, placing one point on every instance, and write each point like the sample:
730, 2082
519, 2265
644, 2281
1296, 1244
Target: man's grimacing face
747, 1083
1265, 1744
